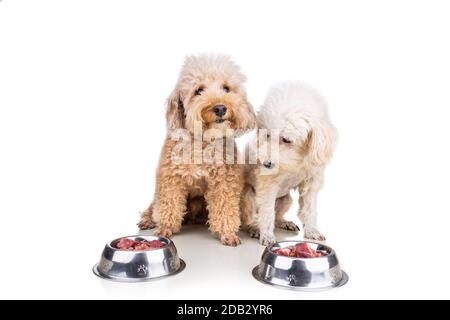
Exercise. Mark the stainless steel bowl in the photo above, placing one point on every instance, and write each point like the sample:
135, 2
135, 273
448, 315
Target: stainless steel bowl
300, 273
137, 266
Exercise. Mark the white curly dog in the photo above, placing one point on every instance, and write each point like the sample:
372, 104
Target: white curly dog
294, 119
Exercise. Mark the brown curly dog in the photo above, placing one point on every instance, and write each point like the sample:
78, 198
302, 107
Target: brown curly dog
209, 97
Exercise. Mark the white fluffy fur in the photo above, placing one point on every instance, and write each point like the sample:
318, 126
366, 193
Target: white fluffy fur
300, 114
293, 108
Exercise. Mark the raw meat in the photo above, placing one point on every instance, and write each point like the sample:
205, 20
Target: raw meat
301, 250
128, 244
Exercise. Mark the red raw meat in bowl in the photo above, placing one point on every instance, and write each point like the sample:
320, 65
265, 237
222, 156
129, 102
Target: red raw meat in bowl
300, 250
129, 244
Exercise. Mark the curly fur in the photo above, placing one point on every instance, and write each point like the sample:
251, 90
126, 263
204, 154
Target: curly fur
199, 188
300, 115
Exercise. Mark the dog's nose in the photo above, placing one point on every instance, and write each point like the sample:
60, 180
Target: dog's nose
220, 110
268, 164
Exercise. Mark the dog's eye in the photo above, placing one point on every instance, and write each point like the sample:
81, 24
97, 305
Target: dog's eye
226, 88
285, 140
199, 91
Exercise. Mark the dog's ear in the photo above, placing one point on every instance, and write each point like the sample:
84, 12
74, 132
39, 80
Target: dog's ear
322, 141
251, 122
175, 111
247, 117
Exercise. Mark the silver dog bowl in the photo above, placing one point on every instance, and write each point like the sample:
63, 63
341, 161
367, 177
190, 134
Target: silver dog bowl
139, 265
304, 274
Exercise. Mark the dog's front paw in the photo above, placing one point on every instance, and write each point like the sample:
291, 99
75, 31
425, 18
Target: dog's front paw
287, 225
253, 232
231, 240
146, 223
164, 232
312, 233
267, 239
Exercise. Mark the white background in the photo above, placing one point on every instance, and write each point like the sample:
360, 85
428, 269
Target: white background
82, 91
